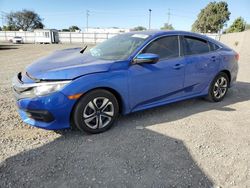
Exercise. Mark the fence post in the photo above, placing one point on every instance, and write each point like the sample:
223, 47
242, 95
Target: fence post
25, 39
82, 37
34, 37
95, 37
107, 36
70, 37
5, 36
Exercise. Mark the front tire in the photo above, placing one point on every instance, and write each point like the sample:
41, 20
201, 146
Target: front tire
96, 111
218, 88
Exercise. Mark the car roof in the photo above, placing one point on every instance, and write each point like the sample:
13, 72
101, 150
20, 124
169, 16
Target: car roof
155, 33
158, 33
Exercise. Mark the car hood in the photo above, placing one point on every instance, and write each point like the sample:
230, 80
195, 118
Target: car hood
66, 64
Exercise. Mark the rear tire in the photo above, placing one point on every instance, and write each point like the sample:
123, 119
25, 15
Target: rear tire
218, 88
96, 111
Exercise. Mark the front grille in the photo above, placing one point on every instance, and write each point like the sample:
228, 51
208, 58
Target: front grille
19, 76
19, 87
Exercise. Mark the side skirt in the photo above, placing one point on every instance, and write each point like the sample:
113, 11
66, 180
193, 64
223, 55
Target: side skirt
157, 104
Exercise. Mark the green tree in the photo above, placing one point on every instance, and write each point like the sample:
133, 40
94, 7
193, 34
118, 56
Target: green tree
65, 30
25, 20
73, 28
7, 28
139, 28
238, 25
212, 18
167, 27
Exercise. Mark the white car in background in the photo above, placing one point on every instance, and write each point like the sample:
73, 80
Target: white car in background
17, 40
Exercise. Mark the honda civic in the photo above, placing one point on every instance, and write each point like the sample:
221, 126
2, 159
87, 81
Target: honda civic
88, 88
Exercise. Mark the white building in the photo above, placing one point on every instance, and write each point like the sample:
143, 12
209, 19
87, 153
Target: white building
46, 36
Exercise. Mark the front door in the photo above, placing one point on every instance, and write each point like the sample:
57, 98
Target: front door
151, 84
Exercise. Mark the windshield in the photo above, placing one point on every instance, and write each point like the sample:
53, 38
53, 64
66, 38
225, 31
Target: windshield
119, 47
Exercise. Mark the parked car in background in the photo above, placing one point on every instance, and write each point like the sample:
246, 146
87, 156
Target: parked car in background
17, 40
127, 73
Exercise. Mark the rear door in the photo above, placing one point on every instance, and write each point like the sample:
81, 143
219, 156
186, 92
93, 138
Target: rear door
201, 64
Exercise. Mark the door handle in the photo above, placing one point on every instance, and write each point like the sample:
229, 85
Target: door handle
213, 58
178, 66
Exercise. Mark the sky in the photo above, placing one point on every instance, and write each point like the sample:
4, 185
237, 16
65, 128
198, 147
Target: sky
61, 14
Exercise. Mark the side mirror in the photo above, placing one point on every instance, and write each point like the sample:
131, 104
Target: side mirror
146, 58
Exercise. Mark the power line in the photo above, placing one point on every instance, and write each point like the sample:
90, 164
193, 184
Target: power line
116, 14
184, 11
183, 16
171, 13
2, 12
3, 17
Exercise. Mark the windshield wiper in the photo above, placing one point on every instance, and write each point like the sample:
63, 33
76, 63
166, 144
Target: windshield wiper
82, 50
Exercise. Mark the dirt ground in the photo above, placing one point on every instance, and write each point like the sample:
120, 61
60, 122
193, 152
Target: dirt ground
192, 143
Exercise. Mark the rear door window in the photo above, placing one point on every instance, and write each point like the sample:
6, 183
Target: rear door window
193, 45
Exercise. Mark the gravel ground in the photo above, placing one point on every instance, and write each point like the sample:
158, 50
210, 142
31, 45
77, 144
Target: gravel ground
192, 143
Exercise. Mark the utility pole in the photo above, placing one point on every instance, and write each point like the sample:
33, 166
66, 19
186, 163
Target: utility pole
149, 21
87, 20
168, 16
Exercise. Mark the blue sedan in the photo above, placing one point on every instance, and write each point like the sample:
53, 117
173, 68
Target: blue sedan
88, 89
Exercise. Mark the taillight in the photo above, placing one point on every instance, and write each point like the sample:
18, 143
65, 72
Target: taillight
237, 56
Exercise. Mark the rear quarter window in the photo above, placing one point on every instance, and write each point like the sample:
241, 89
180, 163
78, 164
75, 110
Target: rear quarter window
213, 47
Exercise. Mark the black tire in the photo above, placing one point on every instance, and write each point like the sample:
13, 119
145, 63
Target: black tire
212, 97
89, 107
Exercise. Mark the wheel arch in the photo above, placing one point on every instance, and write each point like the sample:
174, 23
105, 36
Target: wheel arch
228, 74
115, 93
111, 90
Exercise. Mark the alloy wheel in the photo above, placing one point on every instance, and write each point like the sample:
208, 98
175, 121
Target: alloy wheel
220, 87
98, 113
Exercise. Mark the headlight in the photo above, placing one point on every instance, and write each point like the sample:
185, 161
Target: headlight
47, 88
38, 89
